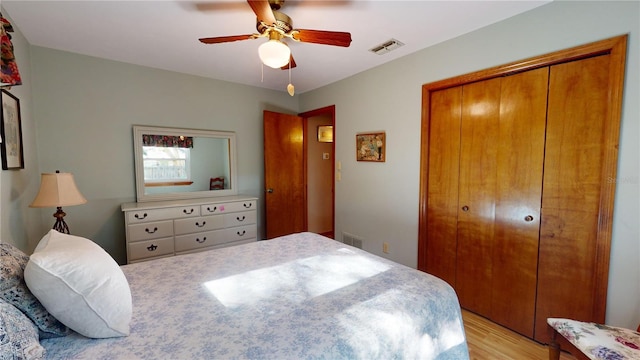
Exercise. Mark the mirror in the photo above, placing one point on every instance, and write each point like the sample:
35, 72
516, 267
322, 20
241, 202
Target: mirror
175, 163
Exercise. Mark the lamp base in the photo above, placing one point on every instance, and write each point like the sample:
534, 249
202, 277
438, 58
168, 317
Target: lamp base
60, 225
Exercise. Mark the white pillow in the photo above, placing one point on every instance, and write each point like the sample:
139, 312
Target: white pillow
81, 285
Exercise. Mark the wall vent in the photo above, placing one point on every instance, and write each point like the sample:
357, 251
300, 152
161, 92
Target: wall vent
386, 47
352, 240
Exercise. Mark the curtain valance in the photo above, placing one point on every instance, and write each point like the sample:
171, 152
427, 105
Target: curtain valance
9, 74
167, 141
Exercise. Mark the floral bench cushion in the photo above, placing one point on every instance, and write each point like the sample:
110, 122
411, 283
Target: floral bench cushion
598, 341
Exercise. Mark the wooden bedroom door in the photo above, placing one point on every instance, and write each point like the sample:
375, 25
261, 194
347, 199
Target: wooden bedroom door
284, 174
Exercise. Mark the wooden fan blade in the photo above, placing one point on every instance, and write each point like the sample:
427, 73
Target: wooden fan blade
223, 39
292, 62
335, 38
263, 11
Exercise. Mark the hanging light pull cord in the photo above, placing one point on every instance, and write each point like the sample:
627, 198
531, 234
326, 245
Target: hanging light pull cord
290, 88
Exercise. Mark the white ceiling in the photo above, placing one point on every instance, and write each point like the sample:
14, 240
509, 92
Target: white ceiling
164, 34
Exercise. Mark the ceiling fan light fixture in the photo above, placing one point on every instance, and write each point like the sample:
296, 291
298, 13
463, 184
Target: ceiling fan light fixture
274, 53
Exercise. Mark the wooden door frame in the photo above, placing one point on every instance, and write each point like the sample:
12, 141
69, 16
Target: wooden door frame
616, 48
331, 111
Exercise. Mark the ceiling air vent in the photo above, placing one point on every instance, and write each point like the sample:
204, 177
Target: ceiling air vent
386, 47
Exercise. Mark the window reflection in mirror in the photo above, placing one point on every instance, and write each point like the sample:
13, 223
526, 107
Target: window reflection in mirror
166, 165
174, 163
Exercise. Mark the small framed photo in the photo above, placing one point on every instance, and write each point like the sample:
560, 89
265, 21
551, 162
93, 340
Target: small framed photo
370, 147
11, 132
325, 133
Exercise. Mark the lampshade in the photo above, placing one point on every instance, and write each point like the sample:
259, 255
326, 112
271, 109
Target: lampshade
274, 53
57, 190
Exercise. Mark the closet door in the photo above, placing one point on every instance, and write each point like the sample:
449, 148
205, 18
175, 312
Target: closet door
442, 207
477, 194
569, 284
519, 161
580, 92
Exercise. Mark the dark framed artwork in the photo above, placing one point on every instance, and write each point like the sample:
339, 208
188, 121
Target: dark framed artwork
370, 147
11, 132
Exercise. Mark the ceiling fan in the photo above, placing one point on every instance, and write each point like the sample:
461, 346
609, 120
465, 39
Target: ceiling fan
276, 25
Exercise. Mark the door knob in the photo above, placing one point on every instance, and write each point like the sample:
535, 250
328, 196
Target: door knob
269, 190
528, 218
465, 208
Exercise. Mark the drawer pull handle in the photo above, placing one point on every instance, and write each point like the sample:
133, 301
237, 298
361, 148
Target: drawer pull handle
152, 247
247, 206
240, 219
201, 241
151, 231
188, 212
203, 224
212, 210
241, 233
137, 216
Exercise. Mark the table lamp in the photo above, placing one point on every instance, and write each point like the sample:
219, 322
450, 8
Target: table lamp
58, 190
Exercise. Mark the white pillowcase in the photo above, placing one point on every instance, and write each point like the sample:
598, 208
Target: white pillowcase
81, 285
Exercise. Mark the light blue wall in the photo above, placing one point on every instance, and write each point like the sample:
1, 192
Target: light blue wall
85, 108
20, 224
379, 202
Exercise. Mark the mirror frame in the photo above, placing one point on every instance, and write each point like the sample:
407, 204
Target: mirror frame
139, 130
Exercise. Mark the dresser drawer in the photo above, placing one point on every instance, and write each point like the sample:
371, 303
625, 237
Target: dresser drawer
150, 248
179, 212
199, 224
241, 233
239, 218
150, 230
220, 208
199, 240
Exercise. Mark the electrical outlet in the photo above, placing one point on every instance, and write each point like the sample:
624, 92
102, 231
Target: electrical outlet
385, 248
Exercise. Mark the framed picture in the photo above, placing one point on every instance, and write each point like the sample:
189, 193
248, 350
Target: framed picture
325, 133
370, 147
11, 133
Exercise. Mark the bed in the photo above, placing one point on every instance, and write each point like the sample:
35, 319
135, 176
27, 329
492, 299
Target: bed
301, 296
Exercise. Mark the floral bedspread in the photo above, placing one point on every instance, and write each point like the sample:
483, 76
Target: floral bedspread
599, 342
301, 296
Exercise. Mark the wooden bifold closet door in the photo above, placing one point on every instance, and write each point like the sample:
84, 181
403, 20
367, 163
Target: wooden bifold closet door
496, 161
516, 204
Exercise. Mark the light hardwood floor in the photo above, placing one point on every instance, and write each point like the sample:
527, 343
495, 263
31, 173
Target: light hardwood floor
490, 341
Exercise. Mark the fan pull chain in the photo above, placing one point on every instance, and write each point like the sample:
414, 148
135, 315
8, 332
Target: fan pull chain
290, 87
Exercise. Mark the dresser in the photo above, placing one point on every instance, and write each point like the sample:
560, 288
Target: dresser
167, 228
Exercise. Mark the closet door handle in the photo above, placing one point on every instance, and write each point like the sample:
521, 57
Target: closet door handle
465, 208
528, 218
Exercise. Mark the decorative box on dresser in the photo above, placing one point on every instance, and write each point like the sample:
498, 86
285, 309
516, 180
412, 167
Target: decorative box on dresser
167, 228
